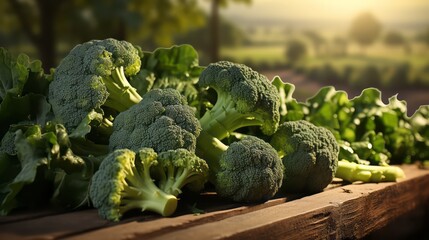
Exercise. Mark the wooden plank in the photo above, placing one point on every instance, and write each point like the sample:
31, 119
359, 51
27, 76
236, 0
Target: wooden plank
72, 223
335, 213
351, 211
145, 229
338, 212
50, 227
26, 215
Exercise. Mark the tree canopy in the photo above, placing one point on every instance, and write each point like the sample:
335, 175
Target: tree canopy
365, 29
51, 25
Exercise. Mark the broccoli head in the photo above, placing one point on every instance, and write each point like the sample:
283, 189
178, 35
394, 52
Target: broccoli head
93, 77
244, 98
123, 183
248, 170
178, 168
309, 154
162, 121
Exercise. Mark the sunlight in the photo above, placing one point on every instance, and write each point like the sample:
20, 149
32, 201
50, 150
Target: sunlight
334, 10
341, 8
329, 9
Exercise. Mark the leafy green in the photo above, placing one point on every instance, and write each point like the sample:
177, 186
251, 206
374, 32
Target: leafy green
176, 67
23, 87
420, 123
41, 152
367, 129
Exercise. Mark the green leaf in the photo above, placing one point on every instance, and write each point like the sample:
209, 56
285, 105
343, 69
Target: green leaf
41, 151
30, 163
176, 67
23, 87
13, 73
290, 108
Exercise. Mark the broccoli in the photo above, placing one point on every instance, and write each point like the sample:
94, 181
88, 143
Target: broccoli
123, 182
309, 154
248, 170
162, 121
93, 77
180, 167
244, 98
352, 172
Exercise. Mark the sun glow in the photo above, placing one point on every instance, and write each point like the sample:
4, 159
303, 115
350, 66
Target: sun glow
338, 10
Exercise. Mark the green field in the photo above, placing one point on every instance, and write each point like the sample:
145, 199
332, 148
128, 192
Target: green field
419, 56
256, 54
267, 51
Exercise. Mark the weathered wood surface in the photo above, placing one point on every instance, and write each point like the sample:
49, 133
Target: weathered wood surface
341, 211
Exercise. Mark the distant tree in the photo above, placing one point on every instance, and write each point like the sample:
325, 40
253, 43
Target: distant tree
316, 39
365, 29
35, 20
423, 36
396, 39
199, 38
295, 50
215, 25
51, 24
252, 30
339, 46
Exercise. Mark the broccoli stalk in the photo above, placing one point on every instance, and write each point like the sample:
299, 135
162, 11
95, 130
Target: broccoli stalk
121, 94
180, 167
224, 118
210, 149
141, 192
105, 128
352, 172
124, 182
244, 98
248, 170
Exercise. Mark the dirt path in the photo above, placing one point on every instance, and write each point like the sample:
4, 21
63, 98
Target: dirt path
305, 88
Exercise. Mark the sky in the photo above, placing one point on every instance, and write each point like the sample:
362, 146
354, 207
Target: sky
387, 11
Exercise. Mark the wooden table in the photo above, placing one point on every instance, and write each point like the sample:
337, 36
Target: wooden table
341, 211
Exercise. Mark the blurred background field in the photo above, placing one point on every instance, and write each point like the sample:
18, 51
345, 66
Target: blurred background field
351, 44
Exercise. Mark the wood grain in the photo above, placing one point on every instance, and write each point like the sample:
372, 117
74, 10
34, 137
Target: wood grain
341, 211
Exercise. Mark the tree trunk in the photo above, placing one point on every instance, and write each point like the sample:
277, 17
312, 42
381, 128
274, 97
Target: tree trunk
121, 31
44, 40
214, 32
46, 43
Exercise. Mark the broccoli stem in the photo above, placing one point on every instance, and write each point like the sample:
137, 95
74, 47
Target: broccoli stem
106, 127
148, 199
224, 118
352, 172
84, 147
178, 179
121, 94
167, 180
210, 149
142, 192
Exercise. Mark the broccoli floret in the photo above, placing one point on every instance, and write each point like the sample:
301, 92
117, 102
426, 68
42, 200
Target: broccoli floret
244, 98
352, 172
178, 168
162, 121
93, 77
7, 144
309, 154
248, 170
123, 182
